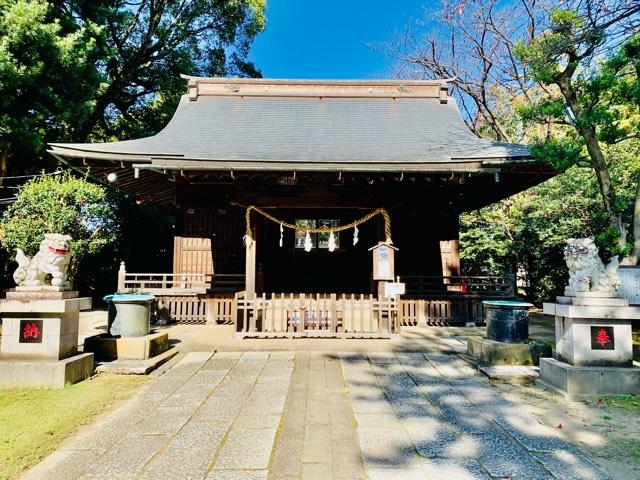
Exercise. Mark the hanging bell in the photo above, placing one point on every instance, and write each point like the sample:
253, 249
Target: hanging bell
332, 242
355, 235
307, 242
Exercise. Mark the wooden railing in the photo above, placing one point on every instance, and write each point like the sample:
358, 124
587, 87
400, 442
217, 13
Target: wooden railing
429, 286
453, 310
297, 315
227, 283
179, 283
163, 283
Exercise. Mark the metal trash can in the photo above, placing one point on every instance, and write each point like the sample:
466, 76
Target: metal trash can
507, 321
129, 314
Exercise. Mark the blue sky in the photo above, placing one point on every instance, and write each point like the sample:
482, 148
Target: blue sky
331, 38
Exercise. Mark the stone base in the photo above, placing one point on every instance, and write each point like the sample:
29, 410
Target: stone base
490, 352
127, 348
40, 288
574, 342
28, 295
593, 301
516, 374
46, 373
571, 310
137, 367
569, 293
587, 382
58, 337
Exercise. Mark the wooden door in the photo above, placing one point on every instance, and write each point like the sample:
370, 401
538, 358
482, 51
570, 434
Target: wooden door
192, 255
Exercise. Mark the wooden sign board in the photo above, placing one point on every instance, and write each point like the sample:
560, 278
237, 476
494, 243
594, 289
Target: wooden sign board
392, 289
383, 261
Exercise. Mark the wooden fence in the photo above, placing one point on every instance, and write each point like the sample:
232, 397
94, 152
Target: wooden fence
184, 309
195, 309
409, 312
205, 298
315, 315
221, 309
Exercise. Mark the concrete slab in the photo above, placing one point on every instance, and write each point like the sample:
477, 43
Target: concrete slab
490, 352
137, 367
511, 373
425, 417
246, 449
588, 382
127, 348
46, 373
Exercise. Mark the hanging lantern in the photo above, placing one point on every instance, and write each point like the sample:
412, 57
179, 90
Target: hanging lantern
332, 242
281, 230
307, 243
355, 235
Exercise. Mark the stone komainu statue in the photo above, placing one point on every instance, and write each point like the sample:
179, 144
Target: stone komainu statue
587, 273
48, 266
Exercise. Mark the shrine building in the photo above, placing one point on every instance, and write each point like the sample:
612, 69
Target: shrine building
281, 188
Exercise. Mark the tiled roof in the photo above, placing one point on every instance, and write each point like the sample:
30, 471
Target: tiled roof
345, 125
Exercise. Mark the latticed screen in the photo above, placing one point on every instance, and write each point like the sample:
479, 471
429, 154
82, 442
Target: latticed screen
302, 224
318, 240
323, 238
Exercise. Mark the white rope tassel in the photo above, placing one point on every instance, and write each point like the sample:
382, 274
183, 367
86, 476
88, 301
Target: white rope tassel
281, 230
355, 235
307, 242
332, 242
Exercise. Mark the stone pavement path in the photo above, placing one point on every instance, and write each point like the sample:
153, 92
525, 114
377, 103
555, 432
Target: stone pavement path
310, 415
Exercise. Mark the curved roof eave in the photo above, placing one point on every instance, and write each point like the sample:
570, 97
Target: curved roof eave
399, 125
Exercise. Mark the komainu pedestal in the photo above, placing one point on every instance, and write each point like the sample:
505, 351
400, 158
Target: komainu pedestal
594, 353
39, 345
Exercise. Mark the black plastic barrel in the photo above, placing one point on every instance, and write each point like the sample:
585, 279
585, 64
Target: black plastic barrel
507, 321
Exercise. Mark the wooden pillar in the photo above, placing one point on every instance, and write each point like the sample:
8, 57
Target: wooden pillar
450, 254
450, 246
122, 275
250, 266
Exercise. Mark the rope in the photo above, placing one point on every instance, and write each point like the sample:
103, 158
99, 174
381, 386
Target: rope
324, 228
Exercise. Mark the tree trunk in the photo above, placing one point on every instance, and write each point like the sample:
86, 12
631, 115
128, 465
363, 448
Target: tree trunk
636, 226
604, 182
4, 163
588, 132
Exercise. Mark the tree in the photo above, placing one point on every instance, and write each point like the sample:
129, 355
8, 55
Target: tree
148, 43
527, 232
64, 204
474, 44
565, 56
47, 79
480, 45
109, 69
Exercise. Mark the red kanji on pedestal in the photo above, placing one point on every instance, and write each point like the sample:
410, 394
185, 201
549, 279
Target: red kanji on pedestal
31, 330
602, 338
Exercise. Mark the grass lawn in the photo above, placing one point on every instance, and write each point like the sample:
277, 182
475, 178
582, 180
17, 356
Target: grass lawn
33, 422
628, 402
